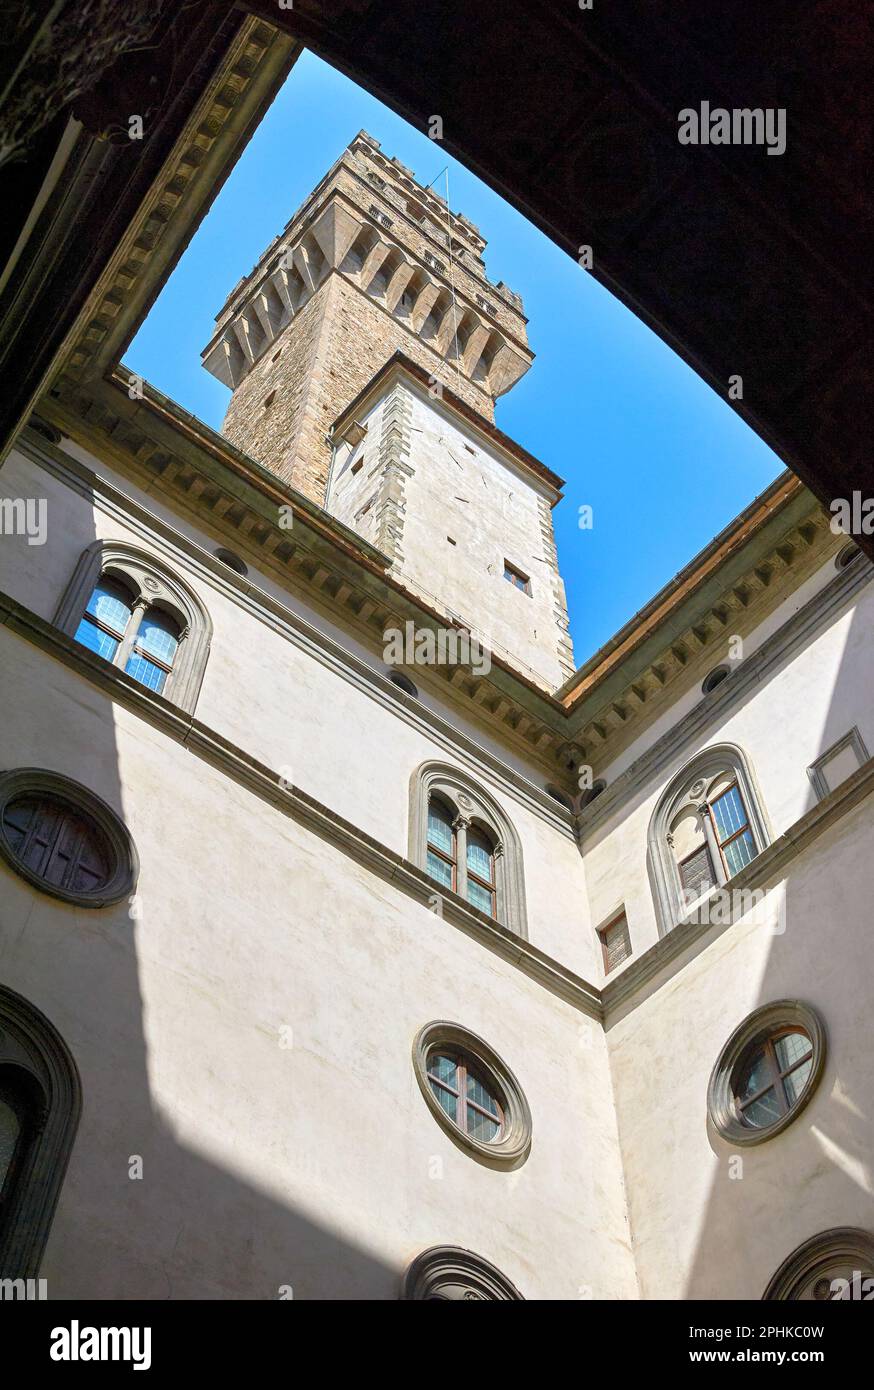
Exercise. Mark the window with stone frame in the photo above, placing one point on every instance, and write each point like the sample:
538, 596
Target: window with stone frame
708, 826
466, 843
40, 1101
129, 608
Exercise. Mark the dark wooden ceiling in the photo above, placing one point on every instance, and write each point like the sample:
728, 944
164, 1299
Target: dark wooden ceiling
749, 265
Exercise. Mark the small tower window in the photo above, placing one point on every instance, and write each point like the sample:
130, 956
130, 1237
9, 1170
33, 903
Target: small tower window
516, 577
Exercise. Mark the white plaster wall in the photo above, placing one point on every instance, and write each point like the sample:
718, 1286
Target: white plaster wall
340, 742
316, 1165
698, 1231
783, 725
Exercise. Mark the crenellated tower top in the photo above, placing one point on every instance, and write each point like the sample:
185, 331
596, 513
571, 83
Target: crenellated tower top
373, 263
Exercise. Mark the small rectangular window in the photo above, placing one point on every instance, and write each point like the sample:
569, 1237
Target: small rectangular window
357, 464
837, 763
516, 577
615, 942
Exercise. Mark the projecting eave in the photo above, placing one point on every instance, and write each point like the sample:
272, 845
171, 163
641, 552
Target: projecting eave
171, 454
738, 580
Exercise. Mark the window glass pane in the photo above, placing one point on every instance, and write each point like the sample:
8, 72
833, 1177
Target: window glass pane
477, 1092
146, 672
158, 636
763, 1111
439, 826
728, 813
16, 819
446, 1099
440, 870
479, 897
444, 1068
790, 1049
757, 1074
100, 642
480, 1126
479, 854
739, 853
10, 1129
65, 849
796, 1081
110, 603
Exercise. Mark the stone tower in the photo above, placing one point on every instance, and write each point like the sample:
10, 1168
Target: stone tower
371, 264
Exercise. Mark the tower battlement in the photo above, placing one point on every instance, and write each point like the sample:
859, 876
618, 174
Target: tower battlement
371, 264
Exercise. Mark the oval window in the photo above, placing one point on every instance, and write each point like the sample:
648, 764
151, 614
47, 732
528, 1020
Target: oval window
63, 839
472, 1093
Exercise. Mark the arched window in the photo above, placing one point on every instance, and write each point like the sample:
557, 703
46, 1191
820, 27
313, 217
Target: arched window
39, 1110
707, 827
123, 604
465, 841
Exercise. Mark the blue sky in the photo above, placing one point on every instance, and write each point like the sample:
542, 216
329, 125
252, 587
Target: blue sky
663, 461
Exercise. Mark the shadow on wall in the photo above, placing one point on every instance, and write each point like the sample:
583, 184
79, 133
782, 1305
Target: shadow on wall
188, 1227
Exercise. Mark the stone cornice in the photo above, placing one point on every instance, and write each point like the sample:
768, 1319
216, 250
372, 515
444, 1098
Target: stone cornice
658, 964
668, 956
792, 542
168, 452
102, 492
714, 708
198, 469
220, 124
266, 783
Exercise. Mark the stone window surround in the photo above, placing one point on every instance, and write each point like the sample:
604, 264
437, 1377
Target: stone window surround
816, 772
452, 1274
472, 806
763, 1021
54, 786
153, 585
512, 1148
31, 1047
814, 1257
663, 869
